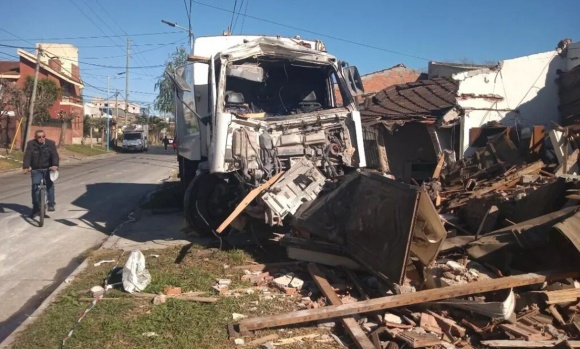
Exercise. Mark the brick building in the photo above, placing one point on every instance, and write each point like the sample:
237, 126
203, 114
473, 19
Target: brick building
59, 63
379, 80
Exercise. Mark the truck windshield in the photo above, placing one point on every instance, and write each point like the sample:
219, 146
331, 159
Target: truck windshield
131, 136
278, 87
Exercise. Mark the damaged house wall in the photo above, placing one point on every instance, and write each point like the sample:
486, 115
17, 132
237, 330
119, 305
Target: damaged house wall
446, 69
521, 91
572, 56
416, 161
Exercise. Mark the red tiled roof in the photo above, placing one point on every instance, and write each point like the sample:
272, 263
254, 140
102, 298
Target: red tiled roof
415, 100
9, 67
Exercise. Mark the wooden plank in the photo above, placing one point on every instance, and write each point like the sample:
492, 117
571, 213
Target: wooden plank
527, 332
262, 340
350, 324
506, 343
437, 171
561, 296
448, 325
502, 184
418, 340
335, 311
246, 201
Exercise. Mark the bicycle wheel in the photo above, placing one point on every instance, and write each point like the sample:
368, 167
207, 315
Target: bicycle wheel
41, 206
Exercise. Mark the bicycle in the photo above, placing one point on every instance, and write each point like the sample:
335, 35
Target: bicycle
42, 199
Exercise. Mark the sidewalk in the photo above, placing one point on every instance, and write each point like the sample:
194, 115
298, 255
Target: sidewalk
143, 230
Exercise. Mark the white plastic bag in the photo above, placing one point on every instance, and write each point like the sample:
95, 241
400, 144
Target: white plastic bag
135, 276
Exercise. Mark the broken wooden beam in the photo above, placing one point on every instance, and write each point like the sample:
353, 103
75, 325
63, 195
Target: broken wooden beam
560, 296
506, 343
349, 323
247, 200
336, 311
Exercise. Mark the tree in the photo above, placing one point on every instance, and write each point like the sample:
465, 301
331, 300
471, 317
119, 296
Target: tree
155, 126
165, 100
47, 92
18, 101
65, 118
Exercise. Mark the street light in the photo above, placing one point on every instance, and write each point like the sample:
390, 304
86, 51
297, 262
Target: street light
175, 25
109, 109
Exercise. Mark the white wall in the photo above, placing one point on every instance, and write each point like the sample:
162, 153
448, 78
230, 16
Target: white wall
522, 91
68, 54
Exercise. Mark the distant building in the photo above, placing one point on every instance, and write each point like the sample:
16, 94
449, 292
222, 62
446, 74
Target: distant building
133, 108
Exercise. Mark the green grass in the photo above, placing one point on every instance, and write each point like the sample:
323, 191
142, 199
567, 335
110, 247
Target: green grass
11, 161
85, 149
178, 324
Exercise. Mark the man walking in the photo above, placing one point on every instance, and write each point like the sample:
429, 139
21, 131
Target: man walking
41, 154
165, 142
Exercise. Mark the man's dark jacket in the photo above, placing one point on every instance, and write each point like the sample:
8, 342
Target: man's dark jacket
39, 156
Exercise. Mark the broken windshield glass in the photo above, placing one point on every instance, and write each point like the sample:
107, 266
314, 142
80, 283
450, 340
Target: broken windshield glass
278, 87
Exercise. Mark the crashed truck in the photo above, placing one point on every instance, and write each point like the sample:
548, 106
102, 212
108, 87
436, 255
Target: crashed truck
253, 110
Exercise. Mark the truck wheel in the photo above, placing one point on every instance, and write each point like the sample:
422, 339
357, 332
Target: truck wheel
209, 200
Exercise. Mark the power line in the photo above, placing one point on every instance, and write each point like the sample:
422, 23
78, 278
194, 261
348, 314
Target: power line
95, 46
244, 17
139, 52
9, 55
233, 14
94, 37
313, 32
238, 16
141, 57
95, 24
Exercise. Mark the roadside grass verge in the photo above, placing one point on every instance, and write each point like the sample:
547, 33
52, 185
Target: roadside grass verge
125, 320
85, 149
11, 161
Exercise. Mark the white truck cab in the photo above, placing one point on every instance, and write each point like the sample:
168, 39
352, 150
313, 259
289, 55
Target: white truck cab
253, 107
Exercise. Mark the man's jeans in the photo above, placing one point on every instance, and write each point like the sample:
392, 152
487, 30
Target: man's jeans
36, 177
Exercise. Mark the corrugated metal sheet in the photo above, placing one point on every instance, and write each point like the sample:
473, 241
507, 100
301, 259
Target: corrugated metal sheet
425, 99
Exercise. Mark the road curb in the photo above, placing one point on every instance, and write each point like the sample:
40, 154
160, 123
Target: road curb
45, 303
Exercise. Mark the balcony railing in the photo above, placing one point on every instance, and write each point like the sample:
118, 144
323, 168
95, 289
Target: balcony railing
72, 99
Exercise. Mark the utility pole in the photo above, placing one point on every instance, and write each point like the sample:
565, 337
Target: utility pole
117, 116
127, 81
108, 112
33, 98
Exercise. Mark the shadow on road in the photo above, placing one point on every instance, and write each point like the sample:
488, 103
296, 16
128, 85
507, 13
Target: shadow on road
7, 208
106, 205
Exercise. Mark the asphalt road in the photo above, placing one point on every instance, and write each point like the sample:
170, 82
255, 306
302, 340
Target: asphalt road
92, 198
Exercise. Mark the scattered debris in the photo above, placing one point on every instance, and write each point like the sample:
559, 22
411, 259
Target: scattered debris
239, 341
103, 262
97, 291
150, 334
171, 291
236, 316
135, 276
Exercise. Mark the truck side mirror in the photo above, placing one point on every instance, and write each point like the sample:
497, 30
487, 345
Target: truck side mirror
353, 80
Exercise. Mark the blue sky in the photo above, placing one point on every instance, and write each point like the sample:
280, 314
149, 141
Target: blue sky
371, 34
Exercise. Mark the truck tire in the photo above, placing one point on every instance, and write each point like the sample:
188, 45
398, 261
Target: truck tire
209, 200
